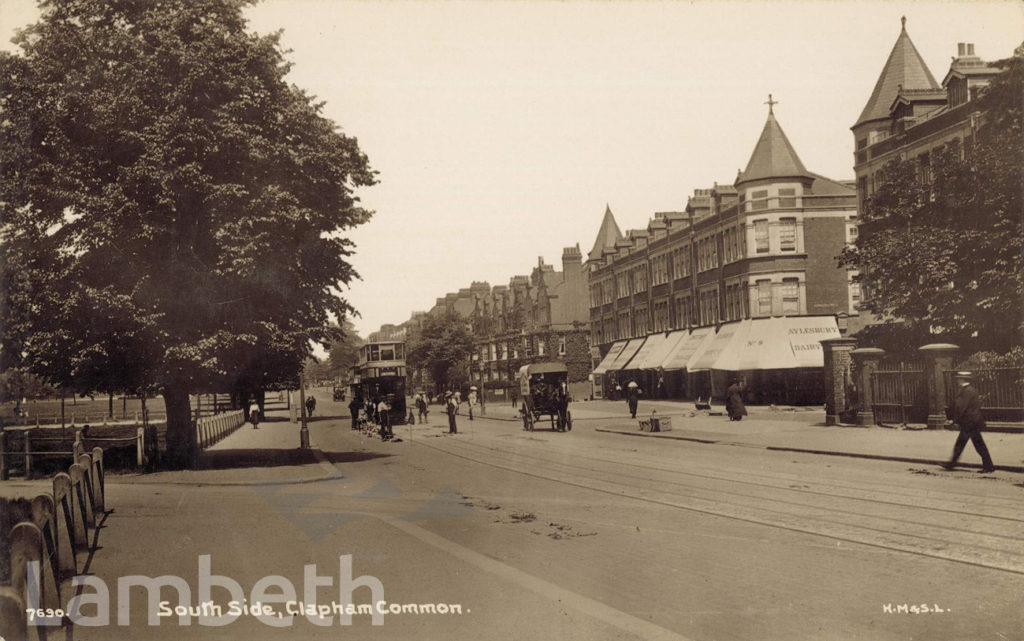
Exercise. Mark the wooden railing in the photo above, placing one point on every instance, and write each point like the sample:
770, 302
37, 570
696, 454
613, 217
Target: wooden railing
211, 429
44, 546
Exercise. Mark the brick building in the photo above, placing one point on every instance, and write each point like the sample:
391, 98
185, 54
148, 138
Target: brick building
909, 115
740, 254
535, 318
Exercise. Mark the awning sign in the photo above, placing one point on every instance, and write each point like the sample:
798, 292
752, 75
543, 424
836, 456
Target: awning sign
805, 336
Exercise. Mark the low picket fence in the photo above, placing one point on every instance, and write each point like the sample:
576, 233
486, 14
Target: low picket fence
48, 543
211, 429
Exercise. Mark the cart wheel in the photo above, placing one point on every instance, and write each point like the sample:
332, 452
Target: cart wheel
568, 420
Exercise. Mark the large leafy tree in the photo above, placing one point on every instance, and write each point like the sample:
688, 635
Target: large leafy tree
171, 206
343, 354
944, 252
442, 347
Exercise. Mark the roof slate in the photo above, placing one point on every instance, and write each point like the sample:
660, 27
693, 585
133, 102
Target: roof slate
607, 234
774, 156
903, 68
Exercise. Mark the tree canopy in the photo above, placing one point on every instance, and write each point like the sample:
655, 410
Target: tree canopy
171, 205
944, 252
342, 356
442, 347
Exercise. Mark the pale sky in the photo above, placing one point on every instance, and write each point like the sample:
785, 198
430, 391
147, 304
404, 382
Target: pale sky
501, 130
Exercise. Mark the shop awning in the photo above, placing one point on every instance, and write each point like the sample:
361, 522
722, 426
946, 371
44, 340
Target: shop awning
805, 333
627, 353
686, 347
721, 345
609, 358
639, 359
656, 359
778, 343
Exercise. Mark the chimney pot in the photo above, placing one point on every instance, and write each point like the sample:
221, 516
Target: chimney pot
970, 48
961, 50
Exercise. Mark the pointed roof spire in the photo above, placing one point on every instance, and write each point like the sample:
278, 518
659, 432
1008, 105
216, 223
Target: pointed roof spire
774, 156
607, 235
904, 67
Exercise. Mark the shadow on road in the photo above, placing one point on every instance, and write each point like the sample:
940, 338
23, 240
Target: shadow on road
314, 419
243, 458
353, 457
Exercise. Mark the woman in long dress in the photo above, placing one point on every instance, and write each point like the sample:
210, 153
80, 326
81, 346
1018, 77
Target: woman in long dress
734, 401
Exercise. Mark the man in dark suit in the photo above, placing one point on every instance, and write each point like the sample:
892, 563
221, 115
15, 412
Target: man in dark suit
967, 416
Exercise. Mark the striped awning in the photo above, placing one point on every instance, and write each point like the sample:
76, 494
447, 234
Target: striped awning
686, 348
626, 354
639, 359
610, 357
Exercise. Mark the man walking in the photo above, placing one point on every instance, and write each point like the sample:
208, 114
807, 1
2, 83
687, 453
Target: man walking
967, 416
451, 407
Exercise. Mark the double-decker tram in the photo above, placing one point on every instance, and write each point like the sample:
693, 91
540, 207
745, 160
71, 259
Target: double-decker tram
381, 375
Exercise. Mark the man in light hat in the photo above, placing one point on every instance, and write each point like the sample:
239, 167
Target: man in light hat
967, 416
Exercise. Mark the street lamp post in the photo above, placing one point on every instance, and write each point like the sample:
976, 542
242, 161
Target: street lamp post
304, 429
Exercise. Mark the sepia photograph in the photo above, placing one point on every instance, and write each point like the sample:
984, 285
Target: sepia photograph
652, 320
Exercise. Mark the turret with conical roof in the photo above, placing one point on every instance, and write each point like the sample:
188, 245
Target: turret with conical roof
904, 69
607, 235
774, 156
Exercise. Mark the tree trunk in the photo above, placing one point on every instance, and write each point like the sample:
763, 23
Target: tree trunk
182, 447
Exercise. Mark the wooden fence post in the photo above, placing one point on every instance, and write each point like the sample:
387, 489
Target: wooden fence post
43, 516
99, 482
64, 500
28, 455
140, 443
85, 461
3, 455
83, 519
13, 619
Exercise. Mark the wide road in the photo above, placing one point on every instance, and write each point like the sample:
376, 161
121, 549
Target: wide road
587, 535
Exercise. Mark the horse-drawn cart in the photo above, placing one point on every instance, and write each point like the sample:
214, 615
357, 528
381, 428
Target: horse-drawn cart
544, 389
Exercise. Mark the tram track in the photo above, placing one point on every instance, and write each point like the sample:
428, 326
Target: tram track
925, 531
935, 537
